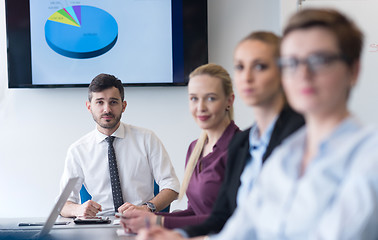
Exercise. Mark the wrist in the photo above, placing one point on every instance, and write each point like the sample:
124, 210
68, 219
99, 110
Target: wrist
150, 206
145, 208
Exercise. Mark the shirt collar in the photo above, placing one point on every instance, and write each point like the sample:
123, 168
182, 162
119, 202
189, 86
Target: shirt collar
227, 133
348, 124
255, 140
119, 133
298, 144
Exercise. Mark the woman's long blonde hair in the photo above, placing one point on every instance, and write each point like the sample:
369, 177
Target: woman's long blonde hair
219, 72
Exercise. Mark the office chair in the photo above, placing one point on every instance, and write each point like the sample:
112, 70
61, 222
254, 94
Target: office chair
156, 191
85, 196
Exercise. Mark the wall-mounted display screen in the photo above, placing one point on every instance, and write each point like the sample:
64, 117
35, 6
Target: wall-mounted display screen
67, 43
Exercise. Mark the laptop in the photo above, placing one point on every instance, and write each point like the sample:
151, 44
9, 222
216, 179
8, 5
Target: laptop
30, 234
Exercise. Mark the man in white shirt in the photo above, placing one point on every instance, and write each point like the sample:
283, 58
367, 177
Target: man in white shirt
140, 158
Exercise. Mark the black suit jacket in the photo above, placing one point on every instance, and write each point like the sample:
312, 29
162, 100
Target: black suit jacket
238, 153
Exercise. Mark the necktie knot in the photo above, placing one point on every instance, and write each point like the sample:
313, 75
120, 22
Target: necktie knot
110, 139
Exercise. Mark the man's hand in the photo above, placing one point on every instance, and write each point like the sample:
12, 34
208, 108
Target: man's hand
88, 209
129, 207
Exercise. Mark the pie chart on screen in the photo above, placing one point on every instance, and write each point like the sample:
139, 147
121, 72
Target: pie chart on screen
81, 31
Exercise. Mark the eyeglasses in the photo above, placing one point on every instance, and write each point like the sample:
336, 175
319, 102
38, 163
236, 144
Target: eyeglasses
316, 63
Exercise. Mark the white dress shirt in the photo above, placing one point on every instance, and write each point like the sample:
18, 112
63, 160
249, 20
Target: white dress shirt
336, 198
141, 158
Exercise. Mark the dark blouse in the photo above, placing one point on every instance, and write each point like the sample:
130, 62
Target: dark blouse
204, 185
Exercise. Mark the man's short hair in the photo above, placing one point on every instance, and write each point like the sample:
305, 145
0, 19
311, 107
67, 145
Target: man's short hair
105, 81
348, 36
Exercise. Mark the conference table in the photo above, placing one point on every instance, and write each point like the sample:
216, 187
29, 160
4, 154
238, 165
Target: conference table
10, 229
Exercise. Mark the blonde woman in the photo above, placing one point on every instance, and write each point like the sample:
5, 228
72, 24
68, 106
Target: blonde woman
211, 104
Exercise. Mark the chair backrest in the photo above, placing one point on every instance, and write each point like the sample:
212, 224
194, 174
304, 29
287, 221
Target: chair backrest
85, 196
156, 192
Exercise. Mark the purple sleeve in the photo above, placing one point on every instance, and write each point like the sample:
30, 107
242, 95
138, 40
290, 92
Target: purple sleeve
182, 218
172, 222
187, 212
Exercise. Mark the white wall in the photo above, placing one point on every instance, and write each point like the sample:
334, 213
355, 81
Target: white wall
38, 125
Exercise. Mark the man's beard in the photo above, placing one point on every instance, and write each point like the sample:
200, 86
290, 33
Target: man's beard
108, 124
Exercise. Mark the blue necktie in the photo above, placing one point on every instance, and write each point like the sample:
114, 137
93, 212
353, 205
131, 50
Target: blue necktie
114, 177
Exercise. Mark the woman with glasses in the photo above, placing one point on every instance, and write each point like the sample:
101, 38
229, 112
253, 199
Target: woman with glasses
322, 182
